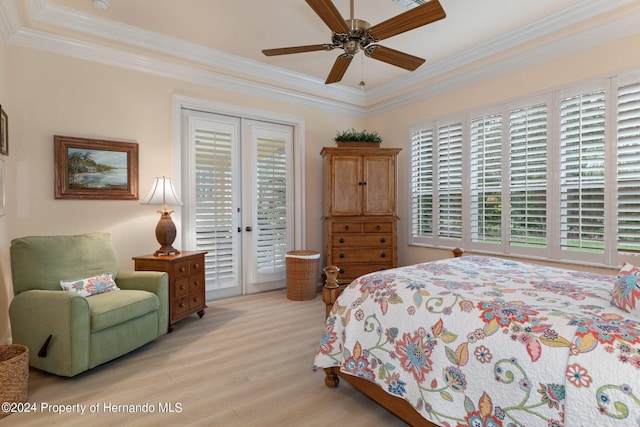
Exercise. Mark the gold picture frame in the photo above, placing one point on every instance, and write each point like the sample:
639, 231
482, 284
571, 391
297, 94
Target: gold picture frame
95, 169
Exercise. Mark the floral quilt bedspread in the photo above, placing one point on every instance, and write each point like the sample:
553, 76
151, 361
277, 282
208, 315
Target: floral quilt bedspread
483, 341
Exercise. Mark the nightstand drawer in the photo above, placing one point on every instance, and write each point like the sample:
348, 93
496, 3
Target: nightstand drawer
181, 305
196, 284
181, 287
195, 301
181, 268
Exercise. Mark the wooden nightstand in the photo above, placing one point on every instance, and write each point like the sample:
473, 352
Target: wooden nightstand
186, 281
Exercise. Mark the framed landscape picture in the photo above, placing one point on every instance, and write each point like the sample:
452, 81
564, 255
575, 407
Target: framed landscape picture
95, 169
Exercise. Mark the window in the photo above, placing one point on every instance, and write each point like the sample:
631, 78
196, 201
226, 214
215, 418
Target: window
486, 179
528, 177
628, 171
542, 176
422, 183
450, 181
582, 149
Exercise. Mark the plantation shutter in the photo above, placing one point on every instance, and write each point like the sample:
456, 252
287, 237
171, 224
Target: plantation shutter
486, 179
450, 181
528, 180
215, 228
582, 149
628, 172
271, 204
422, 183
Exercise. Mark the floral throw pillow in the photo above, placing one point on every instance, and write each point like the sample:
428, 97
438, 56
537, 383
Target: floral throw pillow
626, 291
91, 285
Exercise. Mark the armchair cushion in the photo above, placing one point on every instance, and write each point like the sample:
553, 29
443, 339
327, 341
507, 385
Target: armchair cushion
91, 285
59, 258
112, 308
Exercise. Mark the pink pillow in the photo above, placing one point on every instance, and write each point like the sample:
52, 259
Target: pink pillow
626, 292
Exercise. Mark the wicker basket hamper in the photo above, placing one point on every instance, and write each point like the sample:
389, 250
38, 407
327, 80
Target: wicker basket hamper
14, 374
302, 274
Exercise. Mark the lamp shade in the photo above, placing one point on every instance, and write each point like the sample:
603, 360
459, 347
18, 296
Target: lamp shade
163, 193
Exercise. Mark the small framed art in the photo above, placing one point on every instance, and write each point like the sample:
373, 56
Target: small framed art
95, 169
4, 132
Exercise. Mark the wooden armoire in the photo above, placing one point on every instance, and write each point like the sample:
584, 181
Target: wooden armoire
360, 214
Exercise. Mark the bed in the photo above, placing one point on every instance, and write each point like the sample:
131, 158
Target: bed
485, 341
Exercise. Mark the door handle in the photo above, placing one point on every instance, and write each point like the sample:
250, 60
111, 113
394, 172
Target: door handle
247, 228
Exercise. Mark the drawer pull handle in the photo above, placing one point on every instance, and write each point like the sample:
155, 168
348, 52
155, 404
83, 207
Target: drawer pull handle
341, 255
342, 271
383, 255
181, 305
378, 227
346, 227
182, 269
196, 265
383, 240
341, 240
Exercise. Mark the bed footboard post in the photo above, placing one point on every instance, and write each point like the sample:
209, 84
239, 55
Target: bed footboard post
331, 379
330, 290
457, 252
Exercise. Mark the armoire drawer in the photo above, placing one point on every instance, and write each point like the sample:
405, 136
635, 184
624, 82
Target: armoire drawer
371, 255
349, 272
362, 240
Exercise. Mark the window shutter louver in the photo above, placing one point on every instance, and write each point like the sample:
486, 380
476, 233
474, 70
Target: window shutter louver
422, 184
528, 176
486, 179
628, 171
214, 204
582, 151
450, 181
271, 205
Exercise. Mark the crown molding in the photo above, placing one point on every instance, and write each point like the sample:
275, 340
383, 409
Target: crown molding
128, 35
293, 87
544, 52
544, 27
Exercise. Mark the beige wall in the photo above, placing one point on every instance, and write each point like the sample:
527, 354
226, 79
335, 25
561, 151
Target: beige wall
47, 94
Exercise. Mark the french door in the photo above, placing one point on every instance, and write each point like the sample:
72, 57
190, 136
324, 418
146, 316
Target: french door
237, 183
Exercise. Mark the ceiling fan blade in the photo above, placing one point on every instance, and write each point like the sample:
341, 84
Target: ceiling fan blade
327, 11
297, 49
339, 68
414, 18
393, 57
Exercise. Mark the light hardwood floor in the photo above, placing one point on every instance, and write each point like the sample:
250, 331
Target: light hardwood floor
247, 362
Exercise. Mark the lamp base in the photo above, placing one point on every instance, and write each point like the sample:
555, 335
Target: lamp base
166, 234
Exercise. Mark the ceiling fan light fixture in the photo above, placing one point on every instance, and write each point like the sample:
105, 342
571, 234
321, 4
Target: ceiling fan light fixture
351, 47
355, 35
101, 4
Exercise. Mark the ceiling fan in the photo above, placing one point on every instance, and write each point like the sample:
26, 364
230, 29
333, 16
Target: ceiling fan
353, 35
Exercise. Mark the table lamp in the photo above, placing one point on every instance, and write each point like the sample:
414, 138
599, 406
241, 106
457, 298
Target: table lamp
164, 193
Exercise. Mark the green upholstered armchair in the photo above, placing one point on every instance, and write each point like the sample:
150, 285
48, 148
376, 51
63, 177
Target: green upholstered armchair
68, 333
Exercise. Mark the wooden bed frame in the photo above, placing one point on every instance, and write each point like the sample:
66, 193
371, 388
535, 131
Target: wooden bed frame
396, 405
